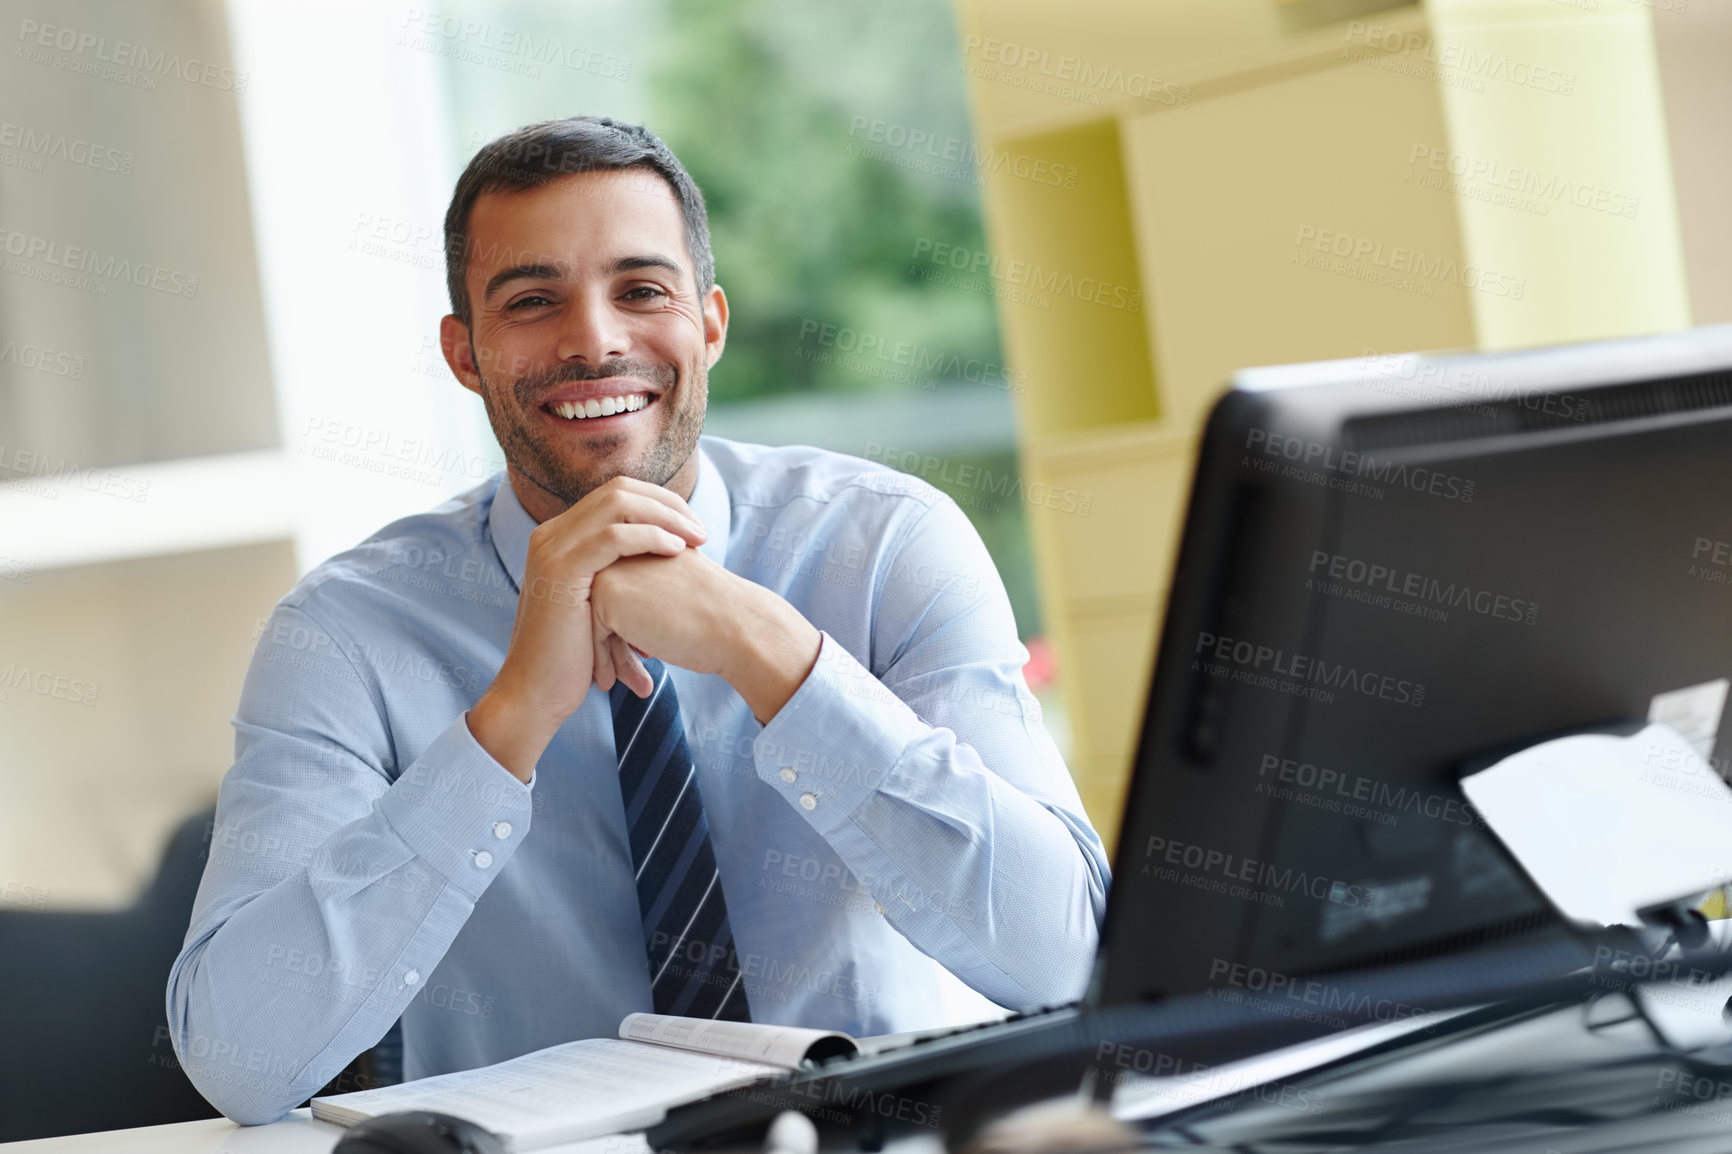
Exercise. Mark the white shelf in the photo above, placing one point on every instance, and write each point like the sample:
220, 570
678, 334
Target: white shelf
90, 516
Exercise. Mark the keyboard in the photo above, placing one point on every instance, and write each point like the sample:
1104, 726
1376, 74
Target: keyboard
902, 1042
875, 1093
950, 1083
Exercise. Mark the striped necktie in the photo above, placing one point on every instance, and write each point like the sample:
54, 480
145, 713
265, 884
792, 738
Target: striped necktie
694, 970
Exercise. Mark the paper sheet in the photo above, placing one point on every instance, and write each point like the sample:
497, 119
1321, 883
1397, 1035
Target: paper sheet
1611, 825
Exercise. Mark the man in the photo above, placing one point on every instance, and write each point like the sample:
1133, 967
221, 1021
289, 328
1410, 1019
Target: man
461, 798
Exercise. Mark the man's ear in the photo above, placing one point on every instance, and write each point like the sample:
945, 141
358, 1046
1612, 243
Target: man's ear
459, 352
715, 324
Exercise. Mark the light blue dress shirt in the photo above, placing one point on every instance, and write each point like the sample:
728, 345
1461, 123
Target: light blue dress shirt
370, 861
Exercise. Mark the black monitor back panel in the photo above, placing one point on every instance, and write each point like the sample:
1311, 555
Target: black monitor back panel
1369, 595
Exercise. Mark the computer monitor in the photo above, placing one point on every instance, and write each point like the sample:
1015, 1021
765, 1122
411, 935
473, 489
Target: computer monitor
1394, 566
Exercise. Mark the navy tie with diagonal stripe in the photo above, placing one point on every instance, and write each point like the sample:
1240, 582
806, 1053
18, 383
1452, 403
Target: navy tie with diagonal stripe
694, 970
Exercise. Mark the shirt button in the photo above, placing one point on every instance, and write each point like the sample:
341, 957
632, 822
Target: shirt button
410, 978
788, 774
501, 830
879, 906
483, 859
808, 801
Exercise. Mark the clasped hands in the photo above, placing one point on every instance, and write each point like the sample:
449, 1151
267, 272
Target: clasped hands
619, 570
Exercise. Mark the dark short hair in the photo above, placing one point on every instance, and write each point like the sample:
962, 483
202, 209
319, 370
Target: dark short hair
538, 153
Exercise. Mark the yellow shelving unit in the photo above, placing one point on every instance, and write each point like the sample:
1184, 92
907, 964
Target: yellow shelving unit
1244, 182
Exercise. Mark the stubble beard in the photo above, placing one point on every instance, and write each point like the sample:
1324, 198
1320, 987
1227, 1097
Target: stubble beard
548, 463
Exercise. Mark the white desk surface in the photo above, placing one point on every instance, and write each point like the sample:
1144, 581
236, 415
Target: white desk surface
295, 1134
299, 1133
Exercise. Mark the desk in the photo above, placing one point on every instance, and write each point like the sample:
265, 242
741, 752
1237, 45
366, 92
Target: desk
1554, 1043
296, 1134
299, 1133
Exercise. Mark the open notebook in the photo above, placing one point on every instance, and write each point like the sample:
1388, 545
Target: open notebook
600, 1085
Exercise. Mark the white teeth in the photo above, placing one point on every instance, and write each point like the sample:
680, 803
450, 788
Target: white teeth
600, 407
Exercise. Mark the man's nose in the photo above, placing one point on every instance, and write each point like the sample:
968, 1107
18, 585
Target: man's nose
592, 330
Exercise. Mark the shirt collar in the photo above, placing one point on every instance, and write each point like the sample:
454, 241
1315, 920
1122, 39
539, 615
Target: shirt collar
510, 523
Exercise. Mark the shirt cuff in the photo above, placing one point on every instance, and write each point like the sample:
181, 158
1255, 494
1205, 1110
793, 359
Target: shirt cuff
459, 810
837, 741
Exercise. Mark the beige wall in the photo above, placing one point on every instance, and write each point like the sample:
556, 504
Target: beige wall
1693, 40
116, 685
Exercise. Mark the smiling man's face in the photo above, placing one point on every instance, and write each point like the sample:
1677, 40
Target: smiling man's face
582, 299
